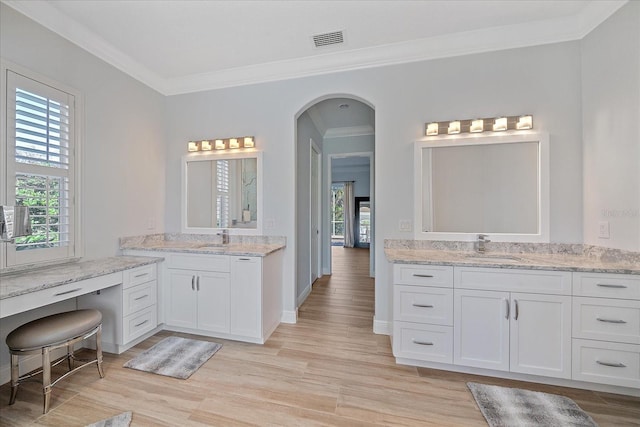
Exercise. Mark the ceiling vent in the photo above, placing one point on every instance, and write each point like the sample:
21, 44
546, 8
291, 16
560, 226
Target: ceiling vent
328, 39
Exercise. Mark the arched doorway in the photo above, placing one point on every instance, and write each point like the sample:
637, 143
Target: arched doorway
334, 134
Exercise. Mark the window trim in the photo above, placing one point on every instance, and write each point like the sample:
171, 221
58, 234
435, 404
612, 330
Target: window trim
7, 250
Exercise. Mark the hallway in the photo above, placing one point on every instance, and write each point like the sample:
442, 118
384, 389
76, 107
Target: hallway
345, 298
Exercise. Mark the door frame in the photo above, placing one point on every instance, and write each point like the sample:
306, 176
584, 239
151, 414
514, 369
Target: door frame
318, 212
327, 222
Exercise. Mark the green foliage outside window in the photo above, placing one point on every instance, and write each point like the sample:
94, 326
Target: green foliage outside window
42, 195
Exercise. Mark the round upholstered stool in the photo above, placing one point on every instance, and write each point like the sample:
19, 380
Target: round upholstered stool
47, 334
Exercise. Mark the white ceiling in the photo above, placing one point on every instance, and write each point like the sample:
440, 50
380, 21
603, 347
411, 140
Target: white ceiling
338, 117
186, 46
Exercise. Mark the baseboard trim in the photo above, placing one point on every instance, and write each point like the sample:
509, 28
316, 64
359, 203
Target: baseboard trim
382, 327
304, 295
289, 316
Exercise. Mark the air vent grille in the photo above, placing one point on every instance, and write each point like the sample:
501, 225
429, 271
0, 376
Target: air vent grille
328, 39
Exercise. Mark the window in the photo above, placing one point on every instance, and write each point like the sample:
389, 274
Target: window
40, 168
222, 196
337, 213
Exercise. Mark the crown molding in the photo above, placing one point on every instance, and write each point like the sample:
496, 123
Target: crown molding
347, 131
450, 45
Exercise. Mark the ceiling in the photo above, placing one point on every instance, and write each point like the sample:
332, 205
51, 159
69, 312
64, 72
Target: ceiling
342, 117
186, 46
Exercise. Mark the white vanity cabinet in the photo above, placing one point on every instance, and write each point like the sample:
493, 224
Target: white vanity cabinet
198, 292
606, 329
423, 312
129, 310
513, 320
226, 296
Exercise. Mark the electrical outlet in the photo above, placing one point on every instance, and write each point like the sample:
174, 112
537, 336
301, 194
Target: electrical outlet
405, 225
270, 223
603, 229
151, 223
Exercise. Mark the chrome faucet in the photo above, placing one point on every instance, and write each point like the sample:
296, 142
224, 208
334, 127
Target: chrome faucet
225, 236
482, 239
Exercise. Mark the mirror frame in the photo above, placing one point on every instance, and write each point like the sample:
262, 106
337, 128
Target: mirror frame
485, 139
201, 157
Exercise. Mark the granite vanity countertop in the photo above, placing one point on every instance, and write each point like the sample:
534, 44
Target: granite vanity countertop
532, 261
202, 244
19, 282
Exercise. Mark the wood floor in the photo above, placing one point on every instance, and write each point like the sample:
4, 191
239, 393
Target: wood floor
328, 369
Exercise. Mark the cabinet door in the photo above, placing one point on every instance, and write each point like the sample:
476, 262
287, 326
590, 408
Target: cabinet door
481, 329
213, 301
181, 299
246, 296
541, 334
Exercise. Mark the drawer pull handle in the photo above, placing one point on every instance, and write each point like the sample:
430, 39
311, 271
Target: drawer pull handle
612, 364
421, 342
422, 275
609, 320
193, 283
139, 298
508, 309
517, 314
141, 275
141, 323
245, 259
422, 305
606, 285
67, 292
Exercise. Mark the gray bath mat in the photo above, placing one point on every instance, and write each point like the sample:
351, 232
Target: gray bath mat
122, 420
174, 357
513, 407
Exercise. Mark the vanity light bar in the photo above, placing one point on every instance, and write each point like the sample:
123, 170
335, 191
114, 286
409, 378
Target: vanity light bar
494, 124
221, 144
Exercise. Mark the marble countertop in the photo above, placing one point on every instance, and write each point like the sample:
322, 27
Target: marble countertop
532, 261
204, 244
21, 282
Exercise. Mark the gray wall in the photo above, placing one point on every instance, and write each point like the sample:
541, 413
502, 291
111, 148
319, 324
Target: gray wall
611, 130
543, 81
124, 136
122, 185
130, 177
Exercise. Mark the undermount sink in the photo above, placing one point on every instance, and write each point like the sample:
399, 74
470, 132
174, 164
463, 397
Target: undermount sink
494, 257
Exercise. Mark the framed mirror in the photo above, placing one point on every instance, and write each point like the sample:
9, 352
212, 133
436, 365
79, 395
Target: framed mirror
490, 184
222, 191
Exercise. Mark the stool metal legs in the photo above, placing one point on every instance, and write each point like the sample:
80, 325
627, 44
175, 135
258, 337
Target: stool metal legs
46, 378
47, 384
15, 376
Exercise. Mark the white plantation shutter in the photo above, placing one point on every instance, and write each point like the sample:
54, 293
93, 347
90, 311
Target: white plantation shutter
222, 193
40, 124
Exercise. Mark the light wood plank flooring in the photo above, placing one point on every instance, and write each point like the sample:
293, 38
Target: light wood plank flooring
328, 369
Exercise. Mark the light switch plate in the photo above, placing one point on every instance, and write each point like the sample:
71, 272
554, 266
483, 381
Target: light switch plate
603, 229
404, 225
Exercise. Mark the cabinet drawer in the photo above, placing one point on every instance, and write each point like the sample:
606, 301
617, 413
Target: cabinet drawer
199, 262
606, 319
423, 342
423, 304
623, 286
513, 280
606, 363
139, 275
409, 274
138, 297
139, 323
